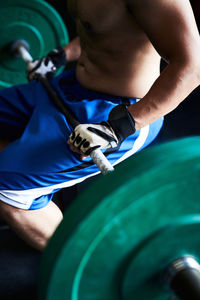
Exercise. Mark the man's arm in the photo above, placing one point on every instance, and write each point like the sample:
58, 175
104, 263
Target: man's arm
73, 50
171, 27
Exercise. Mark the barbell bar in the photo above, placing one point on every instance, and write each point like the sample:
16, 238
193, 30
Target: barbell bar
19, 48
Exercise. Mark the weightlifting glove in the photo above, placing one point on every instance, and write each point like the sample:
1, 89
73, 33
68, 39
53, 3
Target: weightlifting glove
87, 137
48, 65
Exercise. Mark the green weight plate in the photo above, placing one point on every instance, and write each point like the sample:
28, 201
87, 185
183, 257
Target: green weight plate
145, 275
38, 24
87, 257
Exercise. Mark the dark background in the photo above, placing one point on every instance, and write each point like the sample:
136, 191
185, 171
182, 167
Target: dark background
19, 262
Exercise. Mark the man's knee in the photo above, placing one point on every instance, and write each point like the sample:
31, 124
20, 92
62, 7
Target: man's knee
34, 226
11, 215
6, 211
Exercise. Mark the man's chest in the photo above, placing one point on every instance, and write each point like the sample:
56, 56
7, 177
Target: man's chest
98, 15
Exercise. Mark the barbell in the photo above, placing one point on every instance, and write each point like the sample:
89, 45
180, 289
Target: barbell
19, 48
133, 234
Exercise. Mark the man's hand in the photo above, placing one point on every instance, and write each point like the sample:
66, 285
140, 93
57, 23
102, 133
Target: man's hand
48, 65
87, 137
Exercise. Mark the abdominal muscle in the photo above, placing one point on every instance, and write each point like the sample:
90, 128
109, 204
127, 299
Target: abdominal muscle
127, 73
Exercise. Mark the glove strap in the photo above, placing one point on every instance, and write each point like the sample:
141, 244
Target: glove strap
121, 122
58, 57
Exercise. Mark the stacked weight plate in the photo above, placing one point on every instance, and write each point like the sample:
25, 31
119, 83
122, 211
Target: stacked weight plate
38, 24
121, 233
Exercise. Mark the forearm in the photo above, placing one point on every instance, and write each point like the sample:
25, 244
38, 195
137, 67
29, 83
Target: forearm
73, 50
174, 84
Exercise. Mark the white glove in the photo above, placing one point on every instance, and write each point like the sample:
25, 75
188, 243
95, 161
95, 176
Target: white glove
87, 137
48, 65
40, 68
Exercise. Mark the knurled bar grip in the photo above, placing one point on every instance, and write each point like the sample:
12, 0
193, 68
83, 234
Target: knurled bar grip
97, 156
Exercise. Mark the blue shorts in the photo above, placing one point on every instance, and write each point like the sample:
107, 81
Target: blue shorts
38, 161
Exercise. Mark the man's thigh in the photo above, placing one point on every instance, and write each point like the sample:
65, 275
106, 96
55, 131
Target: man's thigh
33, 167
40, 162
16, 107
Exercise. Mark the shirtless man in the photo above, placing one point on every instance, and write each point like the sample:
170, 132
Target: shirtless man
118, 51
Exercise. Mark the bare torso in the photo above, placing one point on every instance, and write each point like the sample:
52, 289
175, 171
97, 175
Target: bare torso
117, 56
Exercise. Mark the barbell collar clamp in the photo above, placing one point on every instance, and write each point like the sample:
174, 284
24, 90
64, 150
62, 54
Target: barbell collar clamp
182, 263
15, 47
183, 277
20, 49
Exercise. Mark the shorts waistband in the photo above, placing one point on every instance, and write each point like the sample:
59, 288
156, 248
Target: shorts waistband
68, 85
